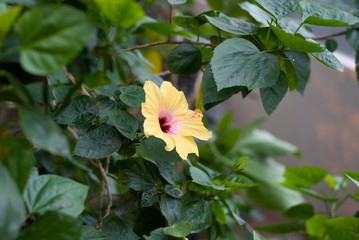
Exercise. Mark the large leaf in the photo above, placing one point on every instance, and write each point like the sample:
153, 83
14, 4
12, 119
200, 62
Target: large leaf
273, 95
184, 59
98, 142
125, 123
278, 8
54, 40
328, 59
12, 207
54, 226
123, 13
55, 193
343, 228
154, 149
301, 64
296, 42
43, 132
170, 208
210, 96
238, 62
322, 14
232, 25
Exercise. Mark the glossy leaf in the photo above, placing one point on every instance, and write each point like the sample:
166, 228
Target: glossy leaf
149, 197
173, 191
232, 25
184, 59
301, 64
55, 226
238, 62
178, 230
328, 59
296, 42
124, 122
273, 95
170, 208
98, 142
54, 40
12, 207
123, 13
43, 132
132, 95
55, 193
322, 14
256, 12
278, 8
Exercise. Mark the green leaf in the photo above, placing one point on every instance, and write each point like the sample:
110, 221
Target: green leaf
255, 236
278, 8
301, 64
210, 96
331, 45
43, 132
218, 212
296, 42
123, 13
54, 40
125, 123
290, 74
352, 37
167, 171
256, 12
343, 228
12, 207
98, 142
132, 95
238, 62
149, 197
91, 233
299, 212
170, 208
273, 95
315, 226
173, 191
81, 110
322, 14
240, 164
238, 181
142, 175
198, 212
184, 59
353, 176
7, 19
305, 176
200, 177
54, 226
281, 228
17, 156
157, 234
176, 2
154, 149
113, 228
328, 59
232, 25
55, 193
178, 230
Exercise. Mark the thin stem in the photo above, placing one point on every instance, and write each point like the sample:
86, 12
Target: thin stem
326, 36
300, 25
108, 189
152, 44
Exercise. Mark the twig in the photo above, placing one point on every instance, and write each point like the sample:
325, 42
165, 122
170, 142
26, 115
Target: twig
73, 80
109, 194
147, 45
326, 36
107, 173
164, 73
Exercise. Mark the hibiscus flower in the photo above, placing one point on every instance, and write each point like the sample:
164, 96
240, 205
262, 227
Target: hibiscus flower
168, 118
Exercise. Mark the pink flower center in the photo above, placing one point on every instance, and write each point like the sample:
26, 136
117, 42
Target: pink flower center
169, 125
164, 124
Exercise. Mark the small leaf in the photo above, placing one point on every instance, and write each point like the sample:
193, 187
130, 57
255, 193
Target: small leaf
240, 164
149, 197
296, 42
12, 207
55, 193
123, 13
173, 191
53, 40
98, 142
328, 59
124, 122
184, 59
301, 64
170, 208
232, 25
54, 226
157, 234
278, 8
290, 73
315, 226
238, 62
200, 177
81, 110
176, 2
281, 228
300, 211
132, 95
178, 230
273, 95
331, 45
353, 176
305, 176
43, 131
322, 14
218, 212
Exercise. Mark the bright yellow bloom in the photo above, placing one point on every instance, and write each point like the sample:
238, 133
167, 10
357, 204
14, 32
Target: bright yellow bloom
168, 118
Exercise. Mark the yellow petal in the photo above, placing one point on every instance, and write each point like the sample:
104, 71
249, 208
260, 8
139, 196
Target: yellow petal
174, 101
193, 127
151, 127
185, 146
153, 101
